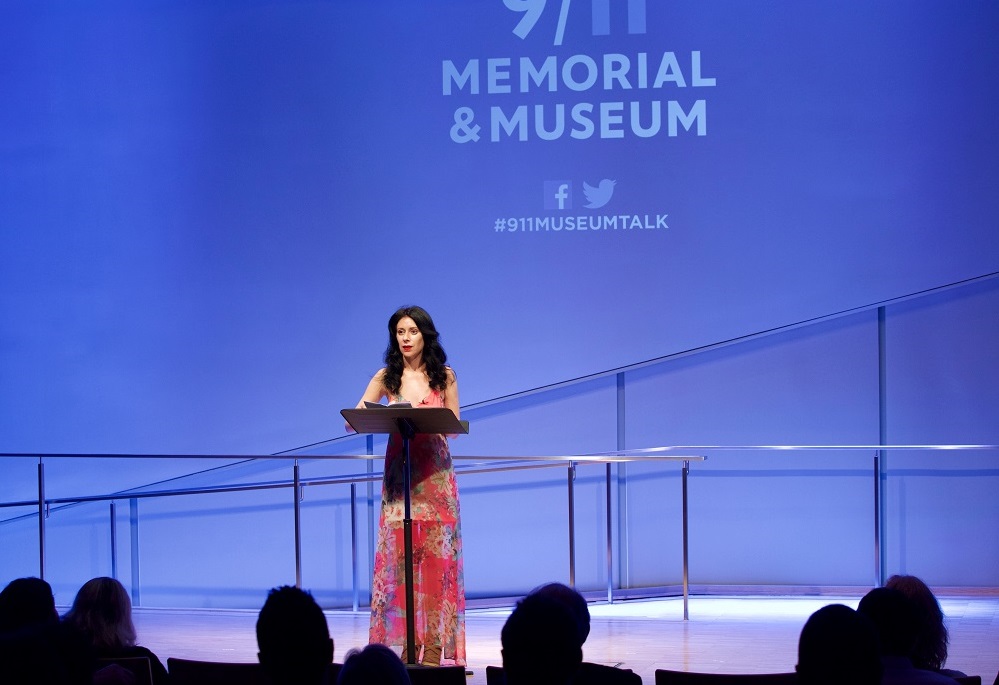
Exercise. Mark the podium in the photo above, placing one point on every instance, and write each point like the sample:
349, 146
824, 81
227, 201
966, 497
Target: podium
408, 422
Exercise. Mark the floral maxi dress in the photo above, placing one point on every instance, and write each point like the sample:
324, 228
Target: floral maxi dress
438, 576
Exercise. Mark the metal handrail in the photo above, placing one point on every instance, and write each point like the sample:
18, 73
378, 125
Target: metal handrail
490, 464
476, 465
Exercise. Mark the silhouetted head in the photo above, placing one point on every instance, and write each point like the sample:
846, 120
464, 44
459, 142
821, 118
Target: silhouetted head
293, 637
34, 646
894, 618
374, 665
102, 612
838, 645
571, 600
540, 643
26, 602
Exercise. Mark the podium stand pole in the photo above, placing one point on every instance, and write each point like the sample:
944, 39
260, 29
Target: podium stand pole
408, 430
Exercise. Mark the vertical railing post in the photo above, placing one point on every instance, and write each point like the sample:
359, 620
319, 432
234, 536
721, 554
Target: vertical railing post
572, 524
610, 531
371, 520
133, 524
41, 519
623, 528
114, 541
878, 519
880, 457
621, 435
353, 544
298, 527
683, 517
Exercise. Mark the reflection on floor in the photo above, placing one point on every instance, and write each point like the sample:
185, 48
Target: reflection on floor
737, 634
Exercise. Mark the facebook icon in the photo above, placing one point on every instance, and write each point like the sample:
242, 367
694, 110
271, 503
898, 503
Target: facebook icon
558, 194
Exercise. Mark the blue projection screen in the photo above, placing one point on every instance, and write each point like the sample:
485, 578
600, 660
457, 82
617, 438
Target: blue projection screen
210, 209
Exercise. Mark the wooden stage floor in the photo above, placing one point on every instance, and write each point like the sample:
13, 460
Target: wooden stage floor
723, 635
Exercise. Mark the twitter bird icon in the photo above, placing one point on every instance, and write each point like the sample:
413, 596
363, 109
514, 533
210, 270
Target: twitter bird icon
600, 195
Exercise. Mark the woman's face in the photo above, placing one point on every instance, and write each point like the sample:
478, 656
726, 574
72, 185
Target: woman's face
409, 339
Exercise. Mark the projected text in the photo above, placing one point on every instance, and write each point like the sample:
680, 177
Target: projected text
580, 73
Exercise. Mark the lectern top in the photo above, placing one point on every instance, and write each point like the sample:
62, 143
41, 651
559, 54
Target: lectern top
423, 419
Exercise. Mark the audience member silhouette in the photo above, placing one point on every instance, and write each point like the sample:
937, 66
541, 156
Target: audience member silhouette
34, 646
838, 646
293, 638
102, 615
930, 650
26, 602
894, 618
374, 665
589, 673
540, 643
896, 637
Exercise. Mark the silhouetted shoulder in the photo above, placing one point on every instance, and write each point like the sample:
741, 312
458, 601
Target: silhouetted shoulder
599, 674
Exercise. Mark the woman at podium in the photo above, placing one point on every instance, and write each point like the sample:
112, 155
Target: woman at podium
416, 373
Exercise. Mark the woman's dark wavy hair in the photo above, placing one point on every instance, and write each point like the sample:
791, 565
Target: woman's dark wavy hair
433, 354
930, 650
